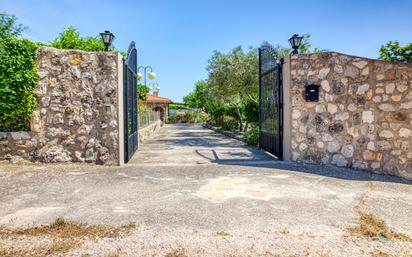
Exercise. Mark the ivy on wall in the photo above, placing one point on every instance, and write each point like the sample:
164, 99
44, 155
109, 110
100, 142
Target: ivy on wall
18, 79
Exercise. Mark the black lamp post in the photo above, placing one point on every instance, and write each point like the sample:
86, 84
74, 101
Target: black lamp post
107, 37
295, 42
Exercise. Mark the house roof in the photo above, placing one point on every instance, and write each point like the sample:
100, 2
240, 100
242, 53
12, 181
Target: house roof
154, 99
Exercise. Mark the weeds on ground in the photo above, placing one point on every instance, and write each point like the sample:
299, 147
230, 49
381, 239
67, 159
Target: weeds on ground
371, 226
61, 228
60, 246
379, 253
176, 253
116, 254
64, 235
222, 233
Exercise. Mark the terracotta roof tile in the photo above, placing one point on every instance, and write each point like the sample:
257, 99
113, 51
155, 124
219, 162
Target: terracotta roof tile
157, 99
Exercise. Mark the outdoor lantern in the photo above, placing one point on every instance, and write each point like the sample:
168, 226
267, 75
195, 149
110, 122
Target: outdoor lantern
151, 75
295, 42
157, 89
139, 76
107, 37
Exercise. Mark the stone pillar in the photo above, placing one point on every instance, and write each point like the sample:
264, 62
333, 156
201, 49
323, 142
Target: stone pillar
120, 107
286, 110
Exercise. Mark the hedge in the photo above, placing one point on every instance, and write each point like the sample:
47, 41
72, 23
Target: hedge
18, 79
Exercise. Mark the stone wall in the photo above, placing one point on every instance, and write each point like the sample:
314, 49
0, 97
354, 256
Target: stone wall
149, 131
77, 116
364, 115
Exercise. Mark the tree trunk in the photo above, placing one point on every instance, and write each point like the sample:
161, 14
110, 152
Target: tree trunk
246, 126
240, 118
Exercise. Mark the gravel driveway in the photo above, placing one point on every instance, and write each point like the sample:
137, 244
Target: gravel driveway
193, 192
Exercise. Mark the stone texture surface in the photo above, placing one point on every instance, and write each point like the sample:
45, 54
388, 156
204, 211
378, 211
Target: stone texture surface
148, 132
77, 114
367, 122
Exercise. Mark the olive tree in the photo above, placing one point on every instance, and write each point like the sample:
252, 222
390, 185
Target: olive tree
232, 77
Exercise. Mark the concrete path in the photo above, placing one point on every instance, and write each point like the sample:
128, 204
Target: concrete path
192, 145
191, 178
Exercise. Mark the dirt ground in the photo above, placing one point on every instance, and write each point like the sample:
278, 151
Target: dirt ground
192, 192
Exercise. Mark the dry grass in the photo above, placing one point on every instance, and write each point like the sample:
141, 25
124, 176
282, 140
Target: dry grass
379, 253
116, 254
61, 228
64, 235
222, 233
177, 253
285, 231
371, 226
61, 246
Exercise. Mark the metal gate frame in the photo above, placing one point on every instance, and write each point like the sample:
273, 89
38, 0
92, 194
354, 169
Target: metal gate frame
270, 101
130, 102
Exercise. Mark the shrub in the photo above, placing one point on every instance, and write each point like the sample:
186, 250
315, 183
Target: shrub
18, 79
176, 106
71, 39
142, 92
230, 123
251, 136
187, 117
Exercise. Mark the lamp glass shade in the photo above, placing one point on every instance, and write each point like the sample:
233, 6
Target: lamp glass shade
139, 76
297, 40
107, 38
151, 75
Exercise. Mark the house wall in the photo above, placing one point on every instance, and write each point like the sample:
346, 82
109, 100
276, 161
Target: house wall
77, 117
363, 118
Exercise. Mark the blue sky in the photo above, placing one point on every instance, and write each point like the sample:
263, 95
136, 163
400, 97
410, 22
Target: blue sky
177, 37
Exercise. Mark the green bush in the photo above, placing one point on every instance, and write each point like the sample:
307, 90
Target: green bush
71, 39
18, 79
187, 117
251, 137
176, 106
230, 123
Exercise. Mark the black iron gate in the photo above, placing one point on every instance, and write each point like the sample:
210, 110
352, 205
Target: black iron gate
130, 103
270, 101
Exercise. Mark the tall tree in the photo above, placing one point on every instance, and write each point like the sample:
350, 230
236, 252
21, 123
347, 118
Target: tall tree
198, 97
306, 46
393, 51
9, 26
234, 76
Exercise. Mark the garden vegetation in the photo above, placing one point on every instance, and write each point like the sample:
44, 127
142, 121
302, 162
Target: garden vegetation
230, 94
18, 71
18, 76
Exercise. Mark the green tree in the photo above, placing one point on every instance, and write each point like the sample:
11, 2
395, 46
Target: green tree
9, 26
393, 51
306, 46
70, 38
142, 91
198, 97
233, 77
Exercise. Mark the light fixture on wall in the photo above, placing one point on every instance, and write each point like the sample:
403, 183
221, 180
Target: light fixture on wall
295, 42
107, 38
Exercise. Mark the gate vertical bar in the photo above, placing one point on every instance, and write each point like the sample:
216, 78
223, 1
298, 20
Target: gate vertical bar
260, 92
270, 101
130, 102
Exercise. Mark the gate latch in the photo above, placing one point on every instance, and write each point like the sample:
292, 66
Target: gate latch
312, 93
